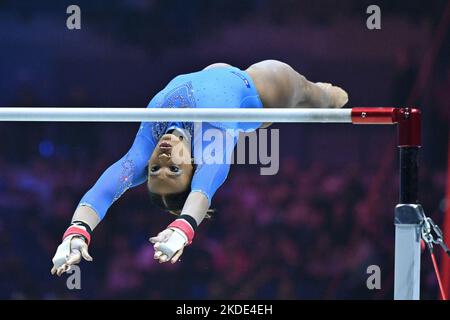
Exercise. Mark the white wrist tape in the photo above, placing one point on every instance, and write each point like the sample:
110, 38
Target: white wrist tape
63, 252
176, 242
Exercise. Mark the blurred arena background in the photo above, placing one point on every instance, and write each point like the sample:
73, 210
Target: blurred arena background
308, 232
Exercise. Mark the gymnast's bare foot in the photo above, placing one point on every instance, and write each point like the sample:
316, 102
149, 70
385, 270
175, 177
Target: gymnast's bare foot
332, 97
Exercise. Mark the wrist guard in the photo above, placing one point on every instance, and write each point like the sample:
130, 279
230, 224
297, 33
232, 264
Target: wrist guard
79, 228
185, 224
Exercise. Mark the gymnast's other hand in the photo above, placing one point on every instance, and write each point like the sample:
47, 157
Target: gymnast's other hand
169, 245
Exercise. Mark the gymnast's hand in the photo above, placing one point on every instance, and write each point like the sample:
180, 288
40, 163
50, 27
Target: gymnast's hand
70, 252
74, 247
169, 245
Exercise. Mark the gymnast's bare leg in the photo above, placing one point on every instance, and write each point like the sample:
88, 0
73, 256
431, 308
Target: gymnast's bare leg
280, 86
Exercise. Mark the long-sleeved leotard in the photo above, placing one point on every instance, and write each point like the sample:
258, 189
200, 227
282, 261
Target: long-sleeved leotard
226, 87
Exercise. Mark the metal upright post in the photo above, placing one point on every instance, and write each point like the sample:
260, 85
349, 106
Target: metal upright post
408, 213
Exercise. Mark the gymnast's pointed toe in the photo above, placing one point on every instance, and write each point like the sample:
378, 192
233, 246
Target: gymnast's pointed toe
340, 97
337, 97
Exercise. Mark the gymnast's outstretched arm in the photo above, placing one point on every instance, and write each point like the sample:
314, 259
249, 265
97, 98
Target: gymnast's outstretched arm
126, 173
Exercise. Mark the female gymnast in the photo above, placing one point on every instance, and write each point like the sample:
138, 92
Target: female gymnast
162, 152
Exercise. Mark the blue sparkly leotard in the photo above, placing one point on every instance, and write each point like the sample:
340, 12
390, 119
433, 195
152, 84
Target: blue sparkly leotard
226, 87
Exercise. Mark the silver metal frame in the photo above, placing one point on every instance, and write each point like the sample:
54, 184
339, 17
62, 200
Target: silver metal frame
408, 225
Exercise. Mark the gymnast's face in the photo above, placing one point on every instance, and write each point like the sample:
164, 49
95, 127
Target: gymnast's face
170, 166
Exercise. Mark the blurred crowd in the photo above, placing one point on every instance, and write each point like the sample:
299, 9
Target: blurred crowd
137, 21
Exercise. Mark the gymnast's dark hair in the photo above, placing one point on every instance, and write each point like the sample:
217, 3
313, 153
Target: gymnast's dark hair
174, 202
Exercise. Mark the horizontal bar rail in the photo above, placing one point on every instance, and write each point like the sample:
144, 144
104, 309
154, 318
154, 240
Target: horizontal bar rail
175, 114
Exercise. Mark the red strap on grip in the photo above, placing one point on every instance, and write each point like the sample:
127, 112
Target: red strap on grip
77, 230
185, 227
